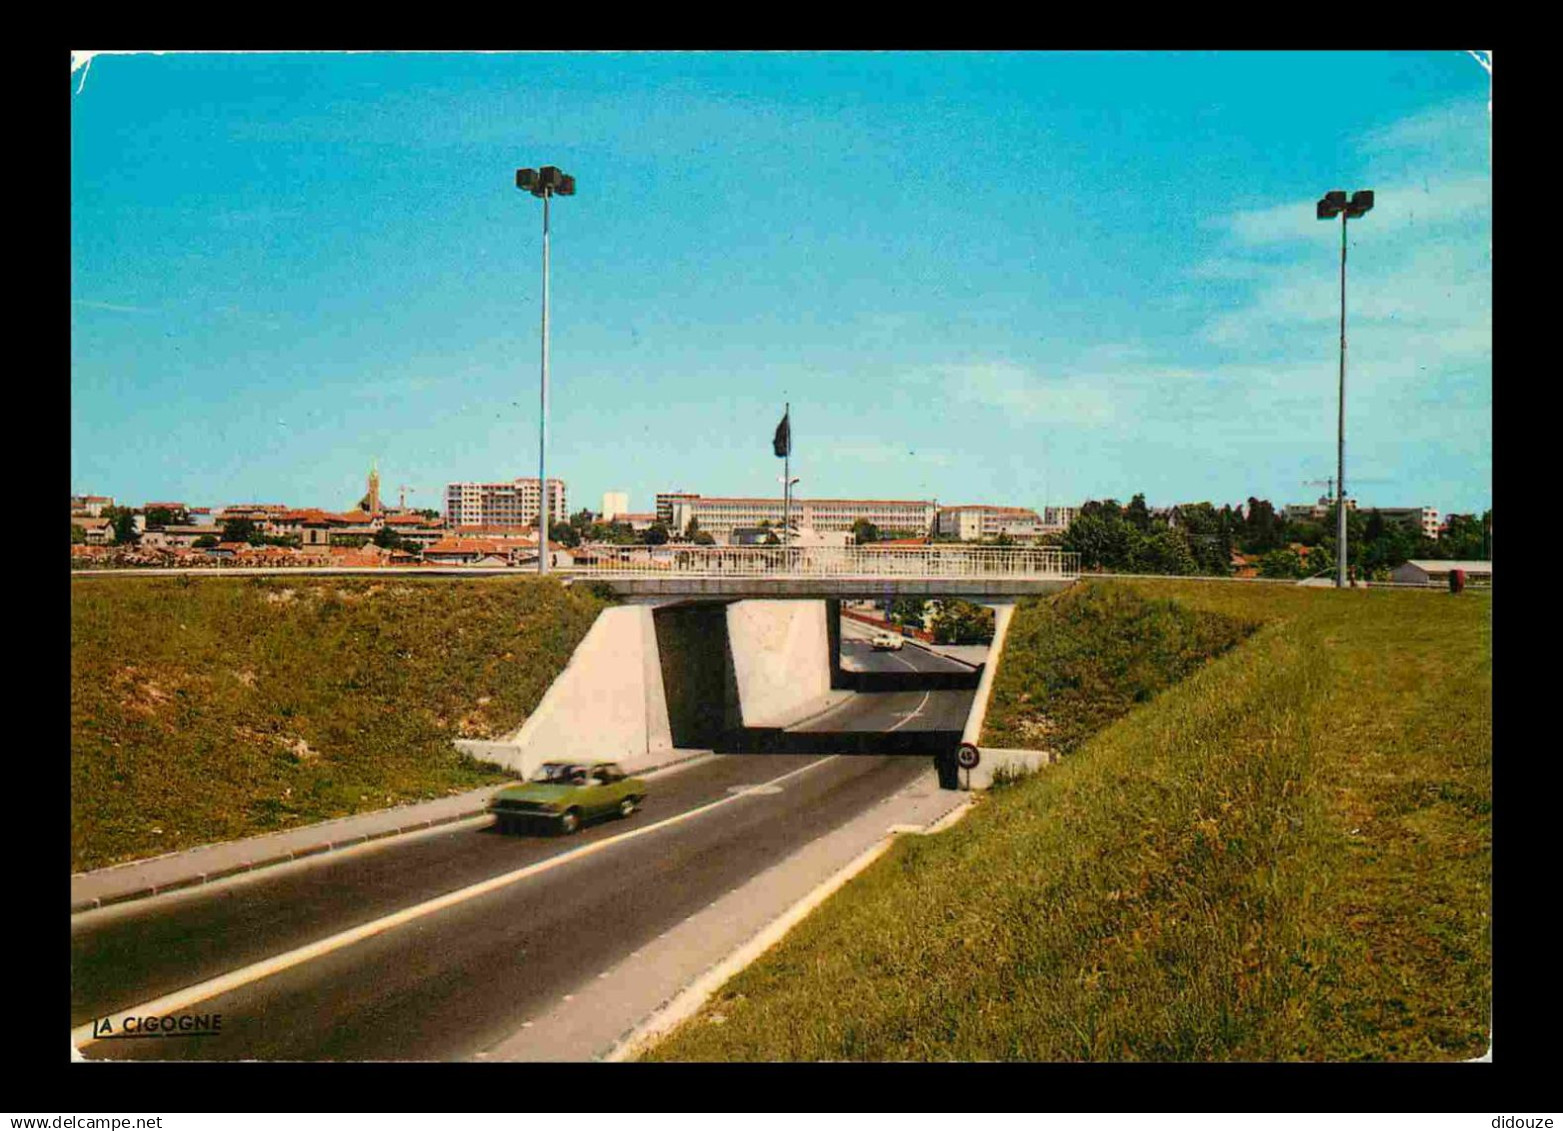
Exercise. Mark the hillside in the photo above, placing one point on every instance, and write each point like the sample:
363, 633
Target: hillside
205, 709
1284, 856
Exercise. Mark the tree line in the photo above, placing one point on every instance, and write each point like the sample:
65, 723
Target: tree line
1198, 538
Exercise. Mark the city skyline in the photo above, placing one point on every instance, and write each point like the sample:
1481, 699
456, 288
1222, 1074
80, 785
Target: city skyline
1007, 279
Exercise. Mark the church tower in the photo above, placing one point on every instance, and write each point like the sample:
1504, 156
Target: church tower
371, 501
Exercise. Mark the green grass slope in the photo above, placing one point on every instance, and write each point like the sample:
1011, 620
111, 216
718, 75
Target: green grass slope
1075, 662
205, 709
1285, 856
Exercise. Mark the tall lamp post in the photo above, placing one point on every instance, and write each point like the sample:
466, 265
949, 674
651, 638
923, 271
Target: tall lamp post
545, 183
788, 483
1330, 205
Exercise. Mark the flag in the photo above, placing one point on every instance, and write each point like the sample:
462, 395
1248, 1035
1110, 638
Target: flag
783, 439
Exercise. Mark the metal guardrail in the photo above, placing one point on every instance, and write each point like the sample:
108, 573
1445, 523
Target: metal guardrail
1020, 563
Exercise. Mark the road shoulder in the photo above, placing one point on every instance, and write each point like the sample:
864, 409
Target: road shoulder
208, 863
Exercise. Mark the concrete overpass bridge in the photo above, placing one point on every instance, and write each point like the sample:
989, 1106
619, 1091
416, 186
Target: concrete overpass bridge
983, 574
733, 648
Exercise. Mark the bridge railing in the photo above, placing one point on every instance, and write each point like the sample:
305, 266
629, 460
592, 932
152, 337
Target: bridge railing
1018, 562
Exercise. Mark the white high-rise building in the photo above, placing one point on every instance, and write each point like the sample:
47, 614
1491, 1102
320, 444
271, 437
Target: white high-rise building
614, 503
1058, 517
515, 503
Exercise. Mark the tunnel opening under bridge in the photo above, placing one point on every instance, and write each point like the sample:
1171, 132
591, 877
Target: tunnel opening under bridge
767, 677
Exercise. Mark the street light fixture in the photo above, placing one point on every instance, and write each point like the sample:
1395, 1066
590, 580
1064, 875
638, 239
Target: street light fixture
1330, 205
545, 183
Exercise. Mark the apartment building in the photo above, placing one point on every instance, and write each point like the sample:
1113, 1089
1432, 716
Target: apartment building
515, 503
1058, 518
1314, 512
719, 516
614, 503
975, 523
665, 503
1422, 519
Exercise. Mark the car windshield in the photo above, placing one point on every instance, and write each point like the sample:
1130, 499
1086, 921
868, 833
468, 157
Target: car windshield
560, 773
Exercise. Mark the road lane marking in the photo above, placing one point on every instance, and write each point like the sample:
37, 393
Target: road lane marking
913, 715
83, 1035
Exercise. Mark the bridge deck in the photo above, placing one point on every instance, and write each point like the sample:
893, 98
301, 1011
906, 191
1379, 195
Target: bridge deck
844, 588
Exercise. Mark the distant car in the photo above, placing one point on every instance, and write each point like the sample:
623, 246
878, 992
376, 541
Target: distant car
887, 642
567, 795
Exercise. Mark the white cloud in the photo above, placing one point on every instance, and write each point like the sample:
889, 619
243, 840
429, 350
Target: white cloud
117, 307
1459, 133
1419, 274
1025, 396
1397, 206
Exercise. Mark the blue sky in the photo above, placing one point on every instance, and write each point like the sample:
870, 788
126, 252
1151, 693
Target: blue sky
1007, 278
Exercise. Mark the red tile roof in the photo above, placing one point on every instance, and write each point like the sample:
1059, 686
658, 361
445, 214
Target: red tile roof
465, 546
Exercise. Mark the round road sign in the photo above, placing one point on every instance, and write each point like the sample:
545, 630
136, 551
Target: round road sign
967, 757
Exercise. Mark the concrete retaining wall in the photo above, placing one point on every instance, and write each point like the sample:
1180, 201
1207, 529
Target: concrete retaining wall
995, 759
979, 707
608, 703
697, 673
781, 658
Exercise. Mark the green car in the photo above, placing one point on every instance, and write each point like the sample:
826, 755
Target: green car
567, 794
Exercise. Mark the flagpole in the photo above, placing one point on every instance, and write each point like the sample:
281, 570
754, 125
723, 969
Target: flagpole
787, 481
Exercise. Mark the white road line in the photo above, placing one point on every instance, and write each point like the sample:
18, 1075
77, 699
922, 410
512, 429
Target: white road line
83, 1035
913, 715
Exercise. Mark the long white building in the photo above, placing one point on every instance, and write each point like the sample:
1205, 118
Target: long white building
718, 516
515, 503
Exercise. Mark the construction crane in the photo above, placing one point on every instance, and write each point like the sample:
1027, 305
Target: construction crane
1327, 482
404, 488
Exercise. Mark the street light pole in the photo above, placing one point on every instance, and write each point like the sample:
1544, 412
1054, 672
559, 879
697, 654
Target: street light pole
1340, 427
545, 183
1331, 203
542, 438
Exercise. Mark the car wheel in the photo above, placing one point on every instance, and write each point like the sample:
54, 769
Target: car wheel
569, 822
626, 807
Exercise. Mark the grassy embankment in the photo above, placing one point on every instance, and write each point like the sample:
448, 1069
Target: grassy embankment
1287, 855
205, 709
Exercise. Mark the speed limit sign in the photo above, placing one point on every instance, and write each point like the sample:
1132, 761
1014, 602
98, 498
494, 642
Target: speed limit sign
967, 757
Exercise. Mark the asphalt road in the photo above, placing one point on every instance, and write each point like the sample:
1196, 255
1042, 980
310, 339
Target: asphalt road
459, 980
892, 710
859, 655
